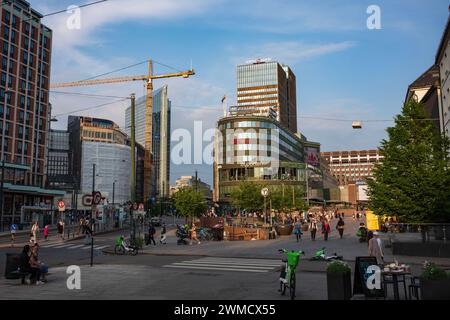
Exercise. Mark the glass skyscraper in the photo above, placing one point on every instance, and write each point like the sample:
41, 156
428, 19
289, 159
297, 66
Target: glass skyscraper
264, 86
160, 137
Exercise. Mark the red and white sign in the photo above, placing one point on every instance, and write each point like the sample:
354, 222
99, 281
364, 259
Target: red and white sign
61, 204
141, 207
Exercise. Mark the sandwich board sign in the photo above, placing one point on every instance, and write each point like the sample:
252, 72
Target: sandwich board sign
362, 275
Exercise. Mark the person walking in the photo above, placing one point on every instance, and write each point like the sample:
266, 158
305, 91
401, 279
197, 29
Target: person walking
340, 227
46, 232
376, 248
298, 230
60, 227
194, 234
34, 232
151, 234
313, 228
163, 234
13, 230
325, 229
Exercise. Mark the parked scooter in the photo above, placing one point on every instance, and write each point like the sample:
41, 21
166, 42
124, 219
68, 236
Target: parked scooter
320, 255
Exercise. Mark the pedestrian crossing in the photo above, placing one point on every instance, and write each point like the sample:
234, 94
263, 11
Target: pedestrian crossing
71, 246
228, 264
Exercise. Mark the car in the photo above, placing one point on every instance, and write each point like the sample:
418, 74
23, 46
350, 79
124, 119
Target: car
156, 221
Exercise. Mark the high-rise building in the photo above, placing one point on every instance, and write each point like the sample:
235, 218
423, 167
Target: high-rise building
25, 53
265, 85
160, 137
443, 61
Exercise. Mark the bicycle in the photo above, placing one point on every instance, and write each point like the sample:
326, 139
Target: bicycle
287, 276
122, 247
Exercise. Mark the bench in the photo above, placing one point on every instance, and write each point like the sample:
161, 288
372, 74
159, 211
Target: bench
17, 274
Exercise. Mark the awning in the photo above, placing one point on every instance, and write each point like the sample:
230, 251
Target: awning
32, 190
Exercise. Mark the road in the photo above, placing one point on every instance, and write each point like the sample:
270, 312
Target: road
209, 271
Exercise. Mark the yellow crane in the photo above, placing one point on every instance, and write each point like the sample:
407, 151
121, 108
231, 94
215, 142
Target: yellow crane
148, 118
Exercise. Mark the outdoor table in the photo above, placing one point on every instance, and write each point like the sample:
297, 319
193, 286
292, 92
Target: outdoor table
395, 274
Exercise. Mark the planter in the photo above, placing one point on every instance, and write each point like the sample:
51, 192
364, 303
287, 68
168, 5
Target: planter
284, 229
435, 289
339, 286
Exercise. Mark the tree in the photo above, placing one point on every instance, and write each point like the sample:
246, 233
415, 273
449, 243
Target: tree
190, 203
413, 180
286, 198
248, 196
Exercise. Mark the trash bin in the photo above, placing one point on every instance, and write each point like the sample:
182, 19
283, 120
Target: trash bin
12, 264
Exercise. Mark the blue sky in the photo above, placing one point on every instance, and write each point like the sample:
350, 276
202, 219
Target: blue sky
343, 69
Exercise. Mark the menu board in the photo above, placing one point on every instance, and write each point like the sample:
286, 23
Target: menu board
361, 276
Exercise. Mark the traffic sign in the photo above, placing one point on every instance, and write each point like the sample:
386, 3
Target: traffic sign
265, 192
96, 198
141, 207
61, 206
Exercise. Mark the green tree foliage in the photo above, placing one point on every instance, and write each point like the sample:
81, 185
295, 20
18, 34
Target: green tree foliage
190, 203
413, 180
248, 196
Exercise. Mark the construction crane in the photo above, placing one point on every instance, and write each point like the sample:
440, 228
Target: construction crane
148, 118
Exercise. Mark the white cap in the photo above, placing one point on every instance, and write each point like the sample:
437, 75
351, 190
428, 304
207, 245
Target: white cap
375, 233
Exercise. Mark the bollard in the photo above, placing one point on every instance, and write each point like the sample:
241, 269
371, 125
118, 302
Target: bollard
92, 250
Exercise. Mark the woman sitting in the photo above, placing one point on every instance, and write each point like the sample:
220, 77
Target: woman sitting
25, 266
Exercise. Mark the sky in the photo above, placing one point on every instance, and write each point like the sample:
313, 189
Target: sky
344, 70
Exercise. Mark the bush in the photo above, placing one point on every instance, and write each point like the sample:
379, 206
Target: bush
138, 242
338, 267
432, 272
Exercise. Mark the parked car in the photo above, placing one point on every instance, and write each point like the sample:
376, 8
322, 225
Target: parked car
156, 221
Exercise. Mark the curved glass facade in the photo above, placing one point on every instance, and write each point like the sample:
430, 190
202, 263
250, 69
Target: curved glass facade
257, 149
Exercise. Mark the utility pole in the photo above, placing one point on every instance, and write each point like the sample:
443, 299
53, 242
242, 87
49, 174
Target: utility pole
114, 189
133, 148
196, 181
93, 192
307, 185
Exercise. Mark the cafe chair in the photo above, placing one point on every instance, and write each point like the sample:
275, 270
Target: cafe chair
414, 288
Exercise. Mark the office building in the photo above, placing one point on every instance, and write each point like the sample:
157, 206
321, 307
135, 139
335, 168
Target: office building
427, 90
160, 137
25, 55
264, 85
101, 142
443, 62
262, 150
190, 181
349, 167
59, 164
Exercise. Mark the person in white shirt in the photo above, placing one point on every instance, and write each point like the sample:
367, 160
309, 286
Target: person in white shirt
376, 247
